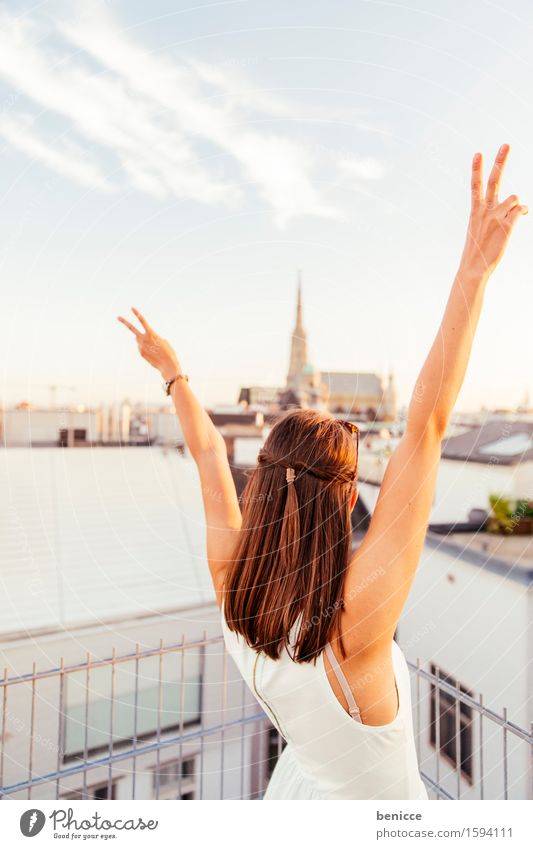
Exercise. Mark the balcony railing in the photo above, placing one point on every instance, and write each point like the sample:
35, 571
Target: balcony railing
178, 722
465, 749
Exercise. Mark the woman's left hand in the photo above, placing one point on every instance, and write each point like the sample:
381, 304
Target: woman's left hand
153, 348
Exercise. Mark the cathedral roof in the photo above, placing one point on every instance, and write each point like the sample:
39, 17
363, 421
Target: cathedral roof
352, 383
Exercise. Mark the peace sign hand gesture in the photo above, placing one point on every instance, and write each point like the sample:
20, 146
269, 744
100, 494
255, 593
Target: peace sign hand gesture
491, 222
153, 348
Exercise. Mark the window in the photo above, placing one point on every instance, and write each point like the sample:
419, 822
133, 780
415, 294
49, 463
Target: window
128, 713
275, 746
176, 780
71, 436
451, 711
96, 791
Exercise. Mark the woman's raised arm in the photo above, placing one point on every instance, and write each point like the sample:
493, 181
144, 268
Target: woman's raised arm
391, 549
489, 228
207, 447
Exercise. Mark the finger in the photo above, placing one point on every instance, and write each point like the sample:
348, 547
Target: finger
493, 186
509, 203
129, 326
142, 320
515, 214
477, 177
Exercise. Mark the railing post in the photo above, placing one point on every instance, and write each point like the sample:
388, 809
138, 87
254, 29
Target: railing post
418, 677
223, 717
505, 765
182, 714
202, 703
481, 773
111, 726
86, 733
60, 722
458, 745
437, 724
531, 763
135, 707
243, 715
158, 730
32, 728
3, 742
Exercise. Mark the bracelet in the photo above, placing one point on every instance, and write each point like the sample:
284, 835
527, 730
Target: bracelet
168, 383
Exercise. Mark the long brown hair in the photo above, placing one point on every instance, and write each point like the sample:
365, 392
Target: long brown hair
295, 543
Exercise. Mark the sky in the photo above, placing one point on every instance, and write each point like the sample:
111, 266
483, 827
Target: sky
188, 158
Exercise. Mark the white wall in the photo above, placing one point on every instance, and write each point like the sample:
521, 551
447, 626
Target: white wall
164, 428
247, 449
27, 427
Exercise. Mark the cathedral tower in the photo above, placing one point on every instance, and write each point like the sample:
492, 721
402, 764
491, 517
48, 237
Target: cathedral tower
298, 359
390, 399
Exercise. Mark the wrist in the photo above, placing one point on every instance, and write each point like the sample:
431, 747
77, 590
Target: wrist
168, 371
473, 274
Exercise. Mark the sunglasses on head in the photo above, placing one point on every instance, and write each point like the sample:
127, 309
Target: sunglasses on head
351, 428
348, 425
354, 430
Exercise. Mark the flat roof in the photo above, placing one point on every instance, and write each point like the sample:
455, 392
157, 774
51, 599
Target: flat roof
510, 556
89, 535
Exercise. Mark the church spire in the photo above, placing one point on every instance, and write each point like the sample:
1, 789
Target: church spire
298, 344
299, 318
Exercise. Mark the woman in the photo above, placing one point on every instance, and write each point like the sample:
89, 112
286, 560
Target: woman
311, 626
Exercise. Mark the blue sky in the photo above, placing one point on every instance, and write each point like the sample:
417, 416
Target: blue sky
188, 158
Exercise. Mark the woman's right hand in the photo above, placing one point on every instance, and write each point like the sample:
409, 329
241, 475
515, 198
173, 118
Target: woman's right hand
153, 348
491, 222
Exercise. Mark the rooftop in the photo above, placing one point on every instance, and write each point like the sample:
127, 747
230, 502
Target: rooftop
505, 442
356, 383
92, 535
510, 556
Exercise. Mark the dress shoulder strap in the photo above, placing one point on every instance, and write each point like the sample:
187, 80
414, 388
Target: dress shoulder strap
341, 678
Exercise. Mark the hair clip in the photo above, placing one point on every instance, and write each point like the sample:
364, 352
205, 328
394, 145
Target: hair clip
289, 477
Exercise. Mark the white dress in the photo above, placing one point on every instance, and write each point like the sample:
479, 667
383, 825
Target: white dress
329, 755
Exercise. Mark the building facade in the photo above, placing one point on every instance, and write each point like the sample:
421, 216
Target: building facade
24, 426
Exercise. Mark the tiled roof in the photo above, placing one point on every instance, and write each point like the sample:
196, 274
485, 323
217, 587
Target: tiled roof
352, 383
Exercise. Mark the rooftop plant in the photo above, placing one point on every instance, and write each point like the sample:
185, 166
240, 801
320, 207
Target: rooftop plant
510, 515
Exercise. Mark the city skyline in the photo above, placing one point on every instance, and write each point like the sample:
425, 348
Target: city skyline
188, 163
300, 367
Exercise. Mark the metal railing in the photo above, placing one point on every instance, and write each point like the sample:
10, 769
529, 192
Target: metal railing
166, 722
466, 750
178, 722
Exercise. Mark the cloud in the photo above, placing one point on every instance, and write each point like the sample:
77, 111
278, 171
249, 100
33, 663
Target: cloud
363, 168
66, 159
153, 155
163, 126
